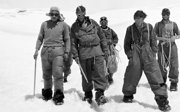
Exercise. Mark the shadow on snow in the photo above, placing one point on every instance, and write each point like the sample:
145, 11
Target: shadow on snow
94, 106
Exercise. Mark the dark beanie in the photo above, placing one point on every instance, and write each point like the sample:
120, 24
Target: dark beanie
166, 11
80, 9
140, 14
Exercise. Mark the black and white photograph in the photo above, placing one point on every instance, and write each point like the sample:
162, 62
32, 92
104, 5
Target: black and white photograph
89, 55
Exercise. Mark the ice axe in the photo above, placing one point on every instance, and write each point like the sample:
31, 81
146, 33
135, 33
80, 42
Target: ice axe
34, 77
83, 72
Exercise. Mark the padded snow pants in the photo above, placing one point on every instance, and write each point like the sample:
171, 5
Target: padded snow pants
94, 70
67, 65
174, 64
52, 66
143, 59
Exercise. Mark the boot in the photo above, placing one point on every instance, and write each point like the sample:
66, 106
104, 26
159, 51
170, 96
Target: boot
58, 97
163, 103
88, 97
100, 98
47, 94
128, 99
173, 86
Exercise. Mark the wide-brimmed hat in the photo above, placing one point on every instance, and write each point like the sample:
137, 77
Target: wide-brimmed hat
62, 17
54, 8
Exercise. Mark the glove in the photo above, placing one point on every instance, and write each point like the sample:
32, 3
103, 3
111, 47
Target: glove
66, 56
114, 45
35, 54
173, 38
77, 60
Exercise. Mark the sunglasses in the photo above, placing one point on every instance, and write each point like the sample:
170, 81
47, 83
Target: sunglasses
80, 14
54, 14
165, 14
103, 18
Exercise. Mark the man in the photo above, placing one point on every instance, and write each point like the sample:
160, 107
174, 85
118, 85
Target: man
54, 35
140, 46
89, 48
112, 40
68, 62
166, 32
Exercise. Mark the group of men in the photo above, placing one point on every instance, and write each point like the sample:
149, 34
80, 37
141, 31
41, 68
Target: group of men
90, 45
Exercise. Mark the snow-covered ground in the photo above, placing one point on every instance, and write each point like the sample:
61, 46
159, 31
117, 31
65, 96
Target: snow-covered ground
19, 27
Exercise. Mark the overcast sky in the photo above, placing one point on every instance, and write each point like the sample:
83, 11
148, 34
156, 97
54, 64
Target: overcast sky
91, 5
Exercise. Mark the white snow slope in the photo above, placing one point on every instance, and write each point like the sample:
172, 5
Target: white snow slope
18, 34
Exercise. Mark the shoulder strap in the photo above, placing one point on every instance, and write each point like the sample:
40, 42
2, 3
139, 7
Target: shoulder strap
172, 27
148, 30
132, 33
157, 29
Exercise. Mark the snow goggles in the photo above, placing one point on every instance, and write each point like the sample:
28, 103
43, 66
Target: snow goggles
103, 18
165, 14
54, 14
80, 14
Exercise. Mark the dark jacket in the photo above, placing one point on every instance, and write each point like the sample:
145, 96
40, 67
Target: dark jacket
88, 41
111, 38
139, 37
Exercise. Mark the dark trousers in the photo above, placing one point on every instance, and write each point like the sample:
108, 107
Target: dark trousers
143, 59
172, 62
94, 70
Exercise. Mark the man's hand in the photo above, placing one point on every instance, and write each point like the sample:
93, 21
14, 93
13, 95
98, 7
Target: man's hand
166, 39
129, 54
163, 39
77, 60
35, 54
66, 56
177, 36
173, 38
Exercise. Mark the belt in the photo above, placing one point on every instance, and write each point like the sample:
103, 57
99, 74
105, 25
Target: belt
89, 45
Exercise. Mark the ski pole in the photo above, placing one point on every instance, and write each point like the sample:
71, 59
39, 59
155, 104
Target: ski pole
34, 77
83, 73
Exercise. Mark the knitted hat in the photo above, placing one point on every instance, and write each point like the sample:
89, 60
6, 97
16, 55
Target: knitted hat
165, 11
81, 9
103, 18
